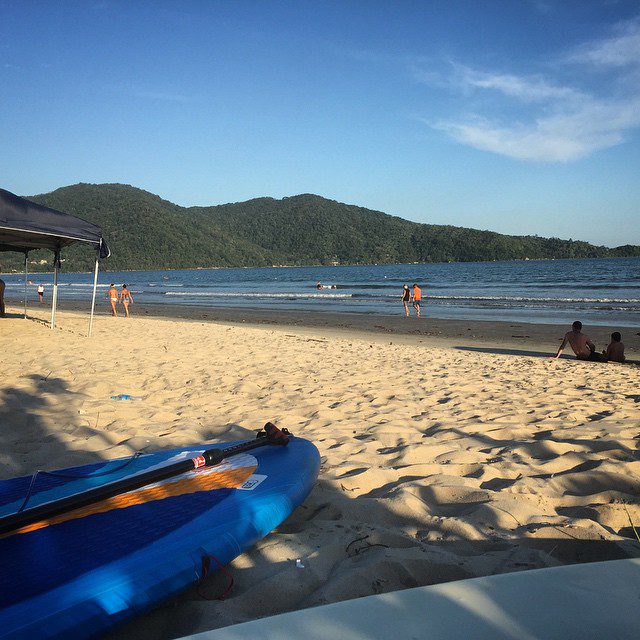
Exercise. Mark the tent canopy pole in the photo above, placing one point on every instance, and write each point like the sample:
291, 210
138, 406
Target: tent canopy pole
54, 300
93, 299
26, 257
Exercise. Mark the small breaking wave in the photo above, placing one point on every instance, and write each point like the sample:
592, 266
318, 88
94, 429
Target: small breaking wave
541, 299
81, 285
292, 295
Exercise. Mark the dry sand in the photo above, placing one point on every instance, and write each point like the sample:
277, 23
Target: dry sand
438, 463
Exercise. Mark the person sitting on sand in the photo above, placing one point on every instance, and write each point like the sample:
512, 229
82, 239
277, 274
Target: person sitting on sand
580, 343
406, 296
126, 298
112, 296
40, 291
2, 311
615, 349
417, 297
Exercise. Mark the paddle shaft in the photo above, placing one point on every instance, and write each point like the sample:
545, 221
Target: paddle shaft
54, 508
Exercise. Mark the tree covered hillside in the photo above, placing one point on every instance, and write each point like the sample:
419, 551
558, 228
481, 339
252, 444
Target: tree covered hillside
146, 232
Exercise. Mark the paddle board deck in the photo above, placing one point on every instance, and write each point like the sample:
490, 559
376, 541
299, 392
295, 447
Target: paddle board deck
577, 602
80, 573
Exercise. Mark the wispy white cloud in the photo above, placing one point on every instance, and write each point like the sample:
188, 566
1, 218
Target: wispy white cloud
143, 91
559, 123
528, 89
544, 8
560, 137
619, 50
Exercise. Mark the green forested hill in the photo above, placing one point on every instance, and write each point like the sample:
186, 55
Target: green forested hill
146, 232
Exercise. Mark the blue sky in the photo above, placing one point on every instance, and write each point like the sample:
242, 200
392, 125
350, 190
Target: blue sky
517, 116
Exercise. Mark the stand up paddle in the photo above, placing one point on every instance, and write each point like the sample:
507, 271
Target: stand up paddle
269, 435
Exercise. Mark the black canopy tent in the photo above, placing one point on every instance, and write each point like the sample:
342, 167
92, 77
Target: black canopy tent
25, 225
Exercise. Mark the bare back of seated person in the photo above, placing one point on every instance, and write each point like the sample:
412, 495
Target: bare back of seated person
615, 352
580, 343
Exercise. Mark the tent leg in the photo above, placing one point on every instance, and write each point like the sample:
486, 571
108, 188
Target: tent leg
26, 263
93, 300
54, 299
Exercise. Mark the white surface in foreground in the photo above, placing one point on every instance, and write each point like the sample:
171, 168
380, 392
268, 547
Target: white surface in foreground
597, 600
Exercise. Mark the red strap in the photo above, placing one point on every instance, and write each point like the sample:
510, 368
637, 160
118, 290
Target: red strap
206, 567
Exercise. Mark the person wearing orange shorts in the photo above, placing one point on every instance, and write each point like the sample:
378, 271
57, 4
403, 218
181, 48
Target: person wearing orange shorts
416, 297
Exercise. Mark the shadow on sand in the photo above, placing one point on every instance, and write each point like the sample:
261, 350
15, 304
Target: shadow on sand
509, 352
30, 318
535, 354
359, 545
359, 559
26, 443
351, 546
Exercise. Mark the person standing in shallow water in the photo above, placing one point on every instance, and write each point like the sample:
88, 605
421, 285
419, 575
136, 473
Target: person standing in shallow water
2, 313
417, 297
126, 298
406, 297
112, 296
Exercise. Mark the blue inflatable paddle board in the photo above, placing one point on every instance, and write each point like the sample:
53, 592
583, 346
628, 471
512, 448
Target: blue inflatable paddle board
78, 573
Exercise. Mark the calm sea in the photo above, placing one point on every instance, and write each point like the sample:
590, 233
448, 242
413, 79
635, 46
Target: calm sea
598, 292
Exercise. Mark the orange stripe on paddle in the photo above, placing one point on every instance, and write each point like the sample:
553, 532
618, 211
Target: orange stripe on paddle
198, 481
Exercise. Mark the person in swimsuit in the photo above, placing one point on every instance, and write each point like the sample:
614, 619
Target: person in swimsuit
112, 296
580, 343
615, 349
126, 298
406, 297
417, 297
40, 291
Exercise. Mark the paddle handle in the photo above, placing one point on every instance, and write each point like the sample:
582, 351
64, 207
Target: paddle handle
210, 457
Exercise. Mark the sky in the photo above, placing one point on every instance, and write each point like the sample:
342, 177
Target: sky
519, 116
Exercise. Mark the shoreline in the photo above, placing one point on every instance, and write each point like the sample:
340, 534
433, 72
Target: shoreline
490, 336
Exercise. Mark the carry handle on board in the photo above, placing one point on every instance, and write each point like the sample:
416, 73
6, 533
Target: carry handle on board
269, 435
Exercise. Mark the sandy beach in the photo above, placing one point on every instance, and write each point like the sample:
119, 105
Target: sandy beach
450, 450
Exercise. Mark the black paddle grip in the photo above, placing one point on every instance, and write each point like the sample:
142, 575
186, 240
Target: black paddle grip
270, 435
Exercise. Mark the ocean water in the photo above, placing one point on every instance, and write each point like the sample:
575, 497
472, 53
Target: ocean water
599, 292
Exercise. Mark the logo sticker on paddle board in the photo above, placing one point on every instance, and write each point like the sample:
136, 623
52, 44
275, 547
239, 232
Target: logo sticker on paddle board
252, 482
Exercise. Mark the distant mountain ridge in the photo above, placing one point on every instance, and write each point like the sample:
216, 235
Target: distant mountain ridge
146, 232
